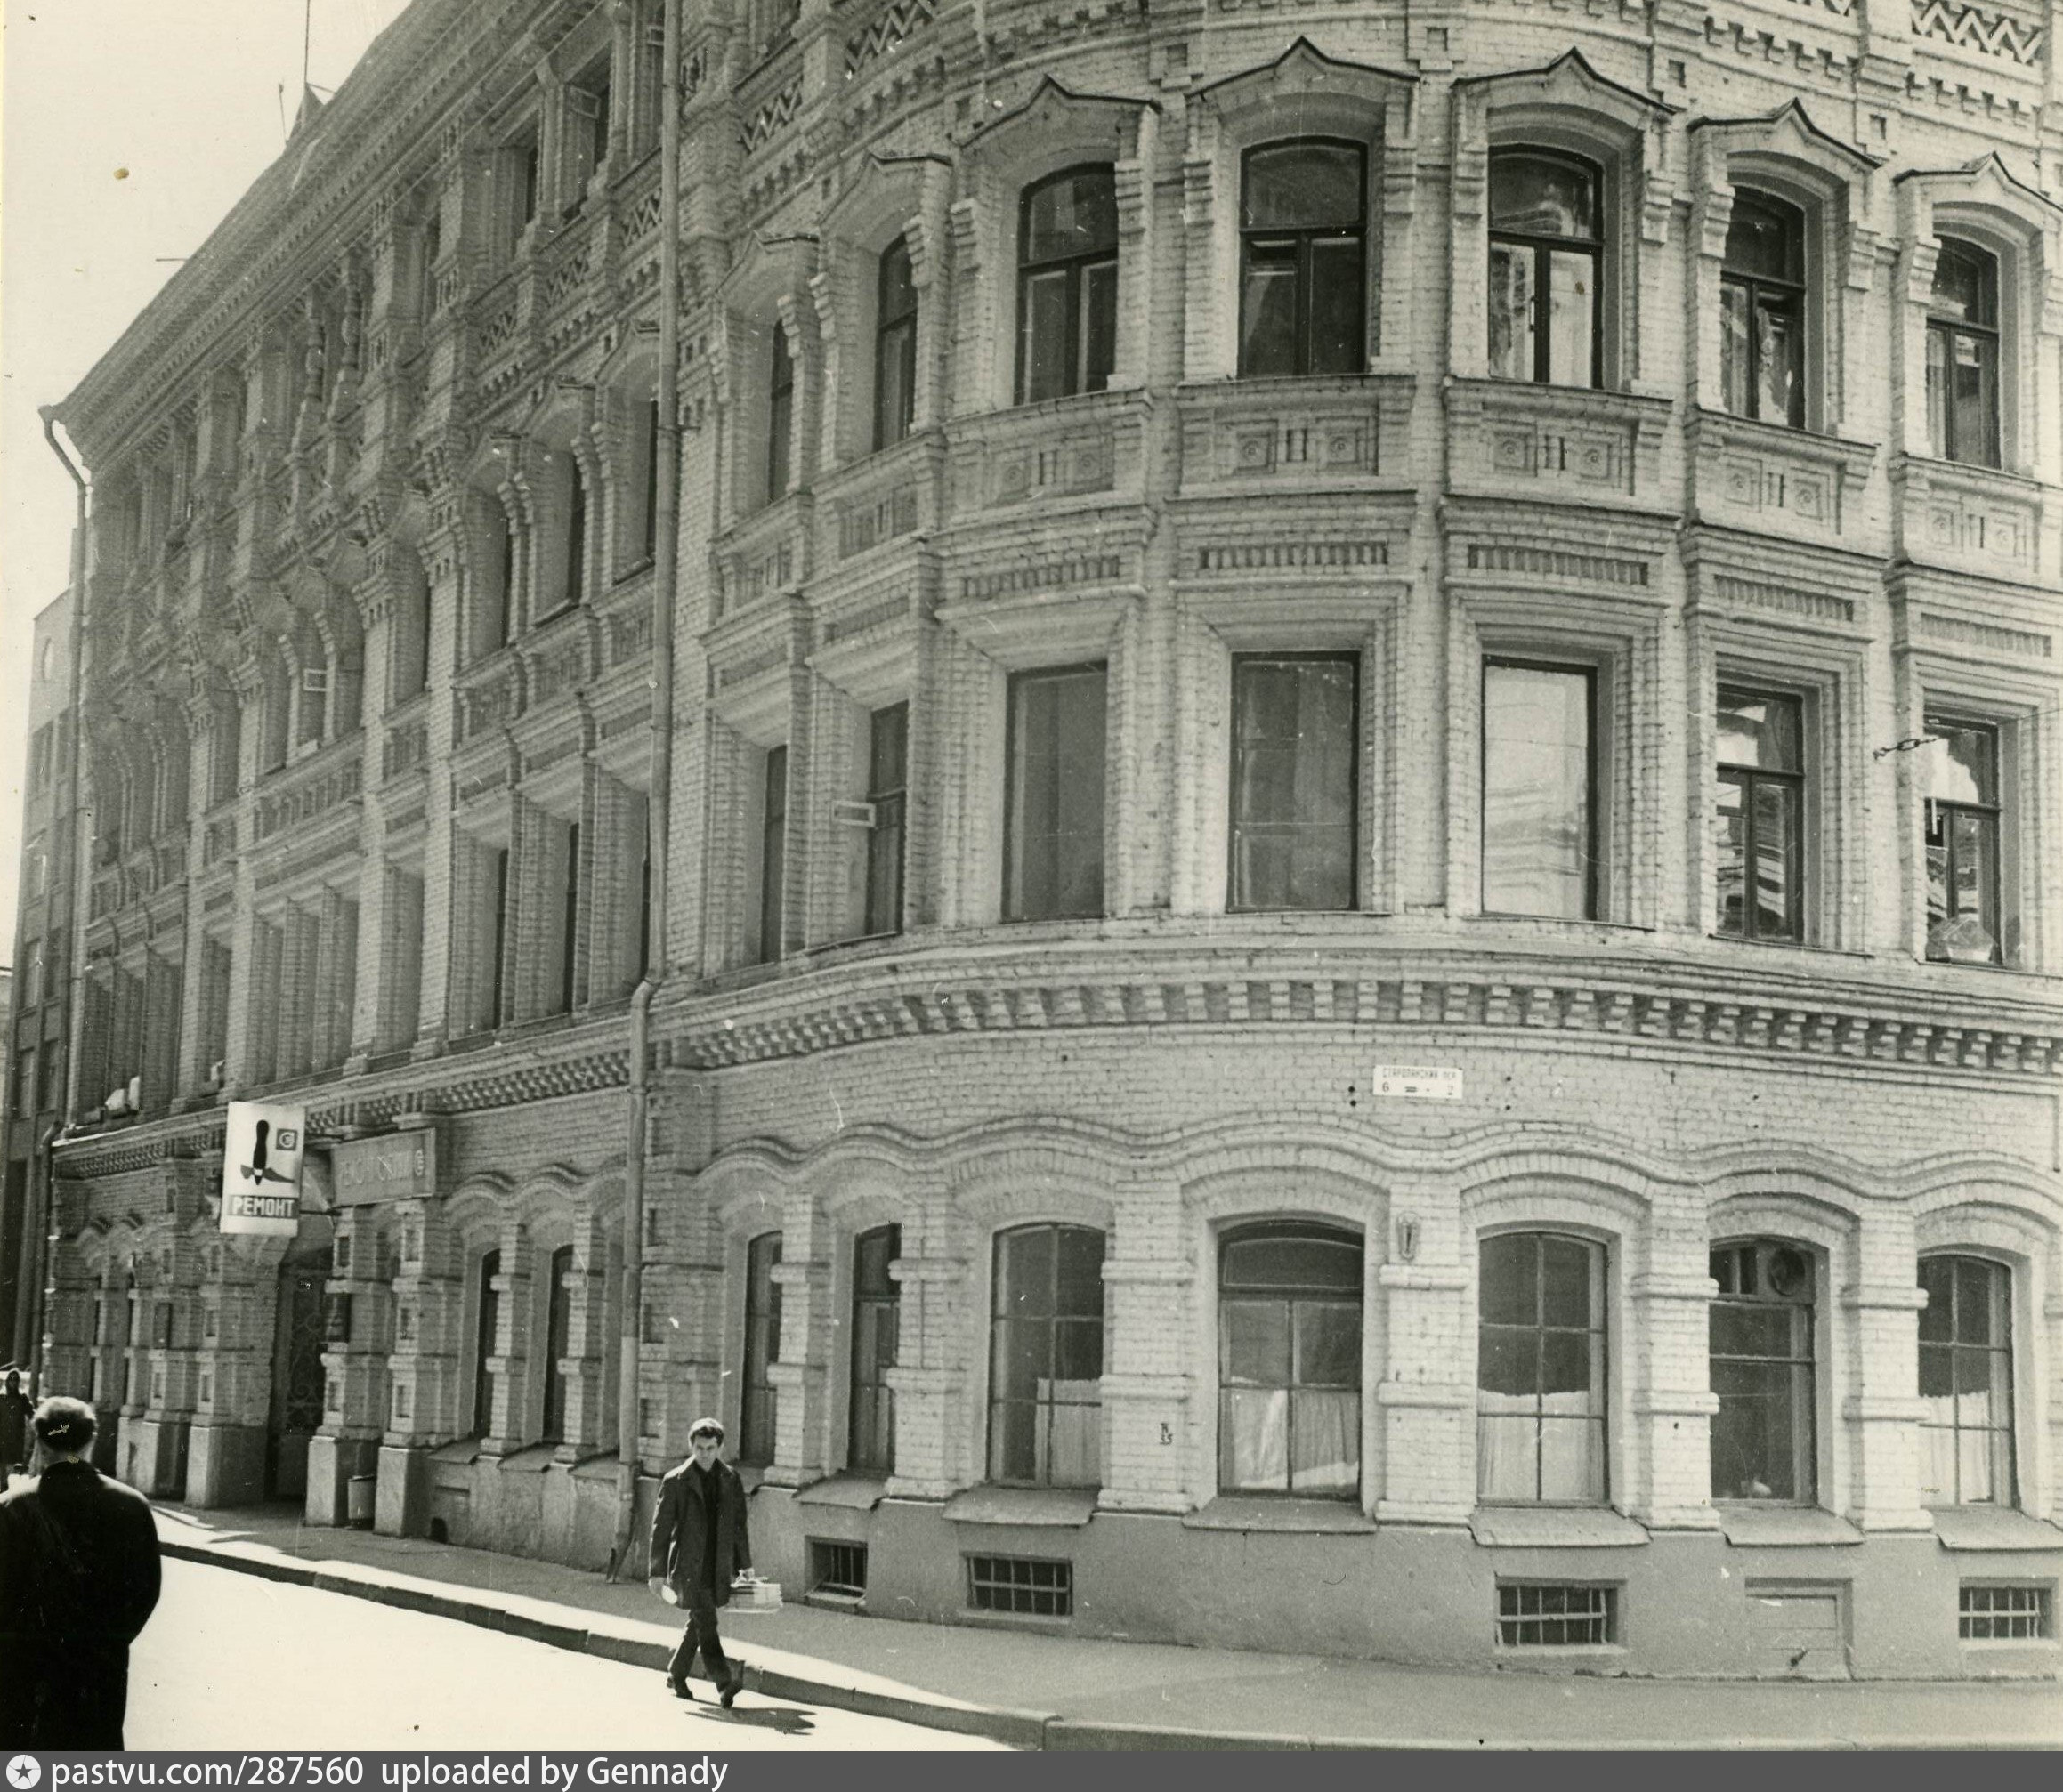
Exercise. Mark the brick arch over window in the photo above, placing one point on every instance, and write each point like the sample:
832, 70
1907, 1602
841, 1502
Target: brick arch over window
766, 296
1787, 156
1568, 107
1053, 129
1986, 208
1303, 94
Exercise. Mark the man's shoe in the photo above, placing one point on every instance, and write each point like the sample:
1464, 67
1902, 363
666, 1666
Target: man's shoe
731, 1689
679, 1689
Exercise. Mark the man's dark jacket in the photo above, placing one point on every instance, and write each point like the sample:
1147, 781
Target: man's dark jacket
683, 1525
79, 1580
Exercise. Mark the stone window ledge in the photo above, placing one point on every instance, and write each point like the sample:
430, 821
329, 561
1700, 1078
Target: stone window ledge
1989, 1527
1783, 1527
1262, 1512
855, 1492
1554, 1527
1058, 1507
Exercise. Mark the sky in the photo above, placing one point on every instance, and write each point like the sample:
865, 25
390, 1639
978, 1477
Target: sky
128, 128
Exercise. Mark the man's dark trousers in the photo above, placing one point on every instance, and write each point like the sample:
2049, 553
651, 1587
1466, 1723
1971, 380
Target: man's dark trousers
701, 1634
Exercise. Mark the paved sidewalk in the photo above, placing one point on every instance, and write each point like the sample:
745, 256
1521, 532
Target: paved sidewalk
1068, 1692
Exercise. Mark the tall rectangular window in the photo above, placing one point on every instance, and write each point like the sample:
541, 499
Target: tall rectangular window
1539, 815
651, 521
576, 534
779, 419
1962, 355
1762, 310
1547, 252
1289, 1361
558, 1341
1053, 823
1046, 1357
569, 921
887, 790
757, 1395
1294, 748
1761, 858
1963, 841
1966, 1382
486, 1341
773, 852
497, 886
1761, 1349
1303, 259
895, 347
876, 1313
1539, 1370
1067, 285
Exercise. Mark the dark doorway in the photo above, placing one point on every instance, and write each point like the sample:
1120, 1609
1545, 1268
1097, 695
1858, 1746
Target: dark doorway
297, 1380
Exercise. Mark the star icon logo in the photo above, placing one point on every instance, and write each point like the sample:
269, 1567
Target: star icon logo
23, 1772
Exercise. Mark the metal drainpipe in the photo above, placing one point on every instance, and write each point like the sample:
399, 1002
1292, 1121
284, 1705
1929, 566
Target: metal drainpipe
666, 548
36, 1225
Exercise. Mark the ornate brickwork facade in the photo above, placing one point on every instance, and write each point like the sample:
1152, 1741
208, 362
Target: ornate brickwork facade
1219, 551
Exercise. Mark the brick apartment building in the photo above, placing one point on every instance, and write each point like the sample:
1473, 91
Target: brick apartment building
35, 1096
1359, 822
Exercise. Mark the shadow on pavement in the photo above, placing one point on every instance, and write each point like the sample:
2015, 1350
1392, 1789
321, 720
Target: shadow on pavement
785, 1720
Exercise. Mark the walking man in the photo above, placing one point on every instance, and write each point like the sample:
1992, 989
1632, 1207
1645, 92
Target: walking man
79, 1580
698, 1545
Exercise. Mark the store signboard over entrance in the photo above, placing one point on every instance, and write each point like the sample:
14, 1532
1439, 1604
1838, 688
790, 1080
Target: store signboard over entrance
262, 1148
1419, 1082
397, 1166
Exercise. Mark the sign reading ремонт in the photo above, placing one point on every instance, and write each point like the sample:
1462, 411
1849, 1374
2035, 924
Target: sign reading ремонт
1419, 1082
262, 1149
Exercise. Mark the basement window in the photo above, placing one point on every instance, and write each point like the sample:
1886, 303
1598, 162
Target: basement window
2006, 1614
1530, 1616
1022, 1586
838, 1570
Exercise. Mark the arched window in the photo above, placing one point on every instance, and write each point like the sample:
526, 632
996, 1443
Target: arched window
1303, 252
756, 1398
1962, 355
1762, 310
558, 1341
1046, 1357
1067, 285
877, 1314
1547, 248
894, 348
1289, 1361
486, 1341
1540, 1370
780, 418
1966, 1382
1763, 1370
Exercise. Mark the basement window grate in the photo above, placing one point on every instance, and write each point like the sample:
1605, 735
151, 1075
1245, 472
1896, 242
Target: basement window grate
2006, 1614
1538, 1617
1022, 1586
838, 1569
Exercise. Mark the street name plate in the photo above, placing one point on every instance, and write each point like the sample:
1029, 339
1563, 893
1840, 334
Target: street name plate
1419, 1082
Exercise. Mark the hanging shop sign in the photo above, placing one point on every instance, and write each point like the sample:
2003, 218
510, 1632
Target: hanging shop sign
262, 1152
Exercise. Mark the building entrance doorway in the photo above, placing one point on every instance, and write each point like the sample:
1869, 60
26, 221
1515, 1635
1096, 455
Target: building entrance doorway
297, 1378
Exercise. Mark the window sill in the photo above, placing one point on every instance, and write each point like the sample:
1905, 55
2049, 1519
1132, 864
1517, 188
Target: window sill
1783, 1527
855, 1492
1555, 1527
1289, 1513
1980, 1528
1805, 946
1066, 1508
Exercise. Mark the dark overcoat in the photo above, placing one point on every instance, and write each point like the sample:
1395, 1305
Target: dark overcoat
78, 1580
16, 1409
681, 1524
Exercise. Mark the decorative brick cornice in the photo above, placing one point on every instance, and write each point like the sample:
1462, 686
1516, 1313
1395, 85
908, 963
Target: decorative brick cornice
1374, 988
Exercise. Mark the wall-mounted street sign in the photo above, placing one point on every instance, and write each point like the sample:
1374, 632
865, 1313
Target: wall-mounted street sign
1419, 1082
391, 1167
261, 1168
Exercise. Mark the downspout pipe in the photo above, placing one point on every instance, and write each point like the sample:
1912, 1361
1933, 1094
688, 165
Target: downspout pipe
666, 574
35, 1222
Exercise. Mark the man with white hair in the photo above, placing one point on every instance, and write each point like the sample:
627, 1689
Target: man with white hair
78, 1580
